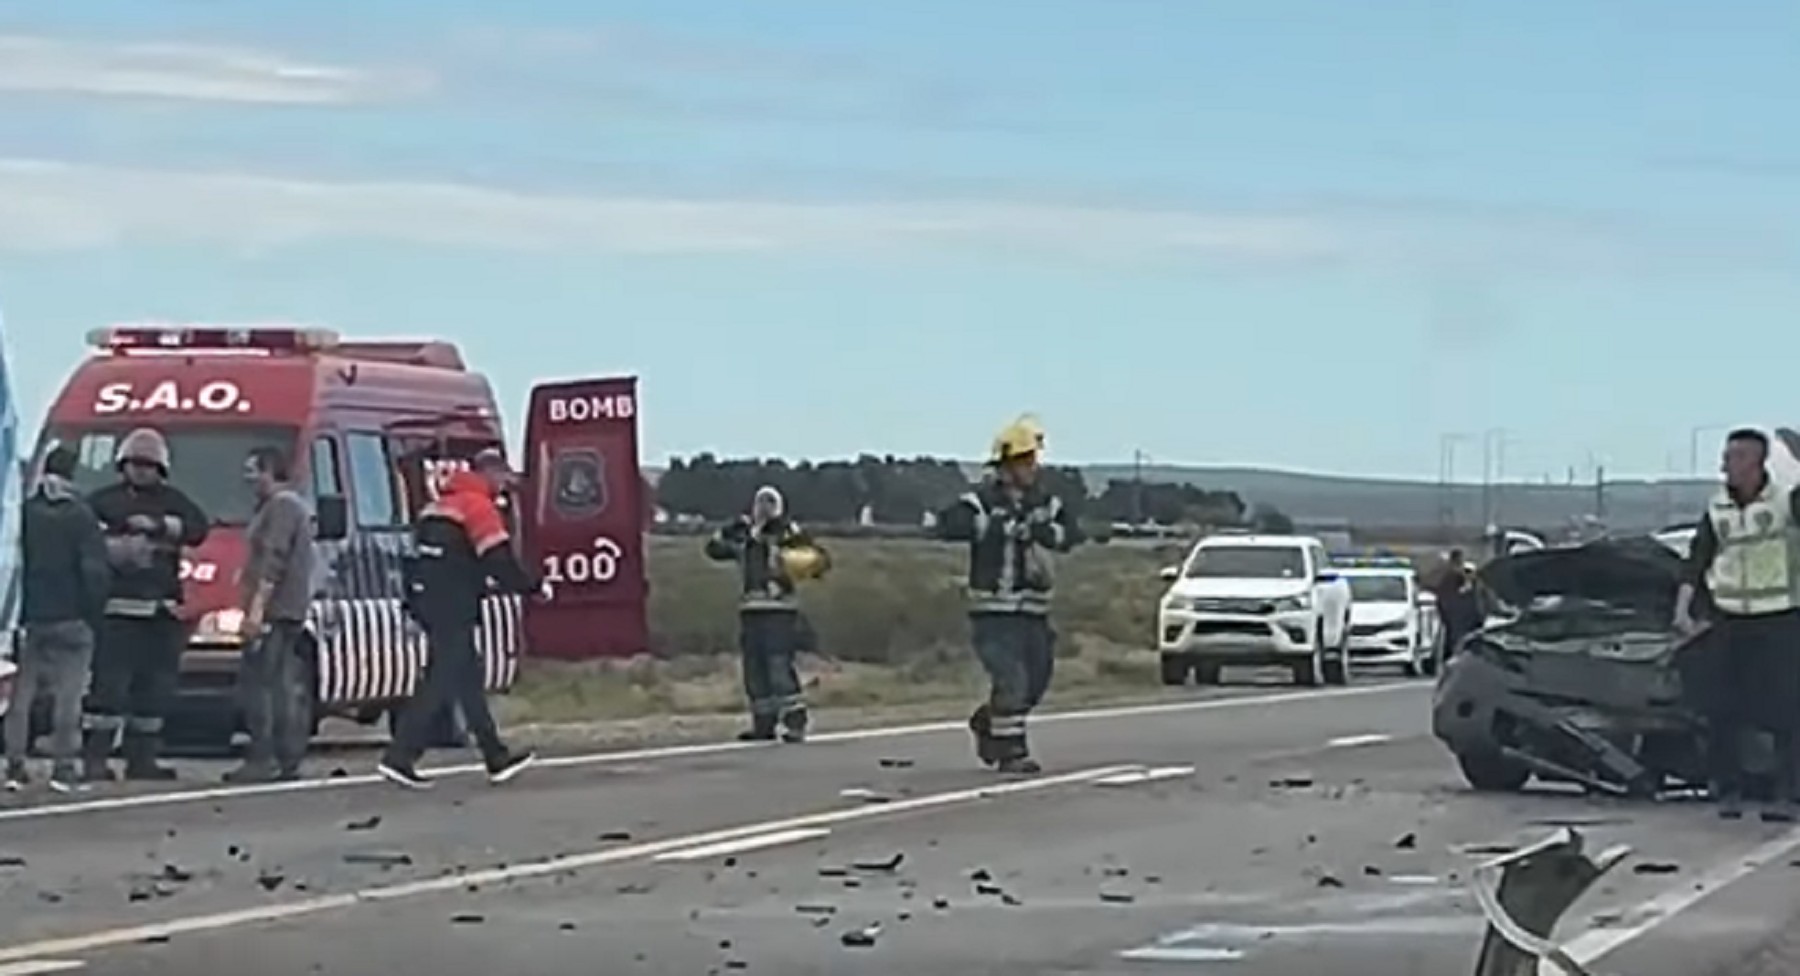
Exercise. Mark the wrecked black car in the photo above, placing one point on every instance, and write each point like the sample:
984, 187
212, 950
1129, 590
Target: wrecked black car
1581, 676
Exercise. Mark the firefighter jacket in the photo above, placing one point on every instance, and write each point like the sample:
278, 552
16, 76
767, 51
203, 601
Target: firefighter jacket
460, 543
1755, 557
757, 550
1013, 537
145, 529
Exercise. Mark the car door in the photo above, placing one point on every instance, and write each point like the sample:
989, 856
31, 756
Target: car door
583, 517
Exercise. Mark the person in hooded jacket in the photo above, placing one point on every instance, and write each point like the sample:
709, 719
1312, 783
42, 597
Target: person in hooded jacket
770, 626
146, 522
460, 542
1012, 527
65, 580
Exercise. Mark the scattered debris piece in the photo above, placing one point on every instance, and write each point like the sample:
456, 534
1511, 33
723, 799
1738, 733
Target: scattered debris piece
50, 897
1010, 900
1117, 897
1407, 842
981, 874
852, 883
233, 851
1370, 870
11, 861
1292, 783
988, 889
940, 903
565, 926
1579, 821
730, 862
467, 918
832, 871
816, 909
155, 938
367, 823
1330, 881
338, 772
1655, 867
863, 938
614, 837
865, 795
1488, 850
896, 763
891, 863
634, 889
736, 964
1153, 879
1115, 872
270, 880
176, 873
380, 859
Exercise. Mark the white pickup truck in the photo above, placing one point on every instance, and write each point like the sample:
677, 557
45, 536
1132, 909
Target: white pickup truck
1255, 600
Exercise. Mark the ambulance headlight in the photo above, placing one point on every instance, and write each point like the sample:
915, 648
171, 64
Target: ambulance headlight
220, 627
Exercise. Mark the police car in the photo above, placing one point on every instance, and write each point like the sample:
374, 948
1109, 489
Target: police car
1393, 621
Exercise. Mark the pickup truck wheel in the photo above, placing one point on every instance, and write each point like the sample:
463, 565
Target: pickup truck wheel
1490, 773
1310, 673
1209, 673
1175, 669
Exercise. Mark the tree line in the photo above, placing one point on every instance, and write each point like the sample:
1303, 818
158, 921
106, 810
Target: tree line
900, 491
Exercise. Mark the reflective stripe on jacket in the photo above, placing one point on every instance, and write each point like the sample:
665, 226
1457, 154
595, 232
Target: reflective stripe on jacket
1753, 571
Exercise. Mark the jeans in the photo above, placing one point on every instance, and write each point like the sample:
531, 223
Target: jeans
453, 677
767, 640
276, 689
57, 659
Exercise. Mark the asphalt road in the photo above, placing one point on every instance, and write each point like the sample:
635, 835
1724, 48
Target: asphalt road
1259, 831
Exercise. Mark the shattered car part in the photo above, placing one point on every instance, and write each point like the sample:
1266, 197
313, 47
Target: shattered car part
1524, 893
1584, 680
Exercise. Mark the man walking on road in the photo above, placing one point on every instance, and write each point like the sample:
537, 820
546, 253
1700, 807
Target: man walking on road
772, 550
460, 542
64, 585
147, 522
1012, 527
1746, 555
275, 593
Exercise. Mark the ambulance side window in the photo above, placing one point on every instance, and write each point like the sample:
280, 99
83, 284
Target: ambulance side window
327, 474
377, 504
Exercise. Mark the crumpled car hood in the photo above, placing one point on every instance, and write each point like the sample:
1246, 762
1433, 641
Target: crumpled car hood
1637, 573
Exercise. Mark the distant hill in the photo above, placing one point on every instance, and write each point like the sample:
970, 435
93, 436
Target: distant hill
1379, 503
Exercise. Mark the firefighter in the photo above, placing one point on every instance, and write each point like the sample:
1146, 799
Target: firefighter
146, 523
1745, 560
1012, 527
460, 542
775, 555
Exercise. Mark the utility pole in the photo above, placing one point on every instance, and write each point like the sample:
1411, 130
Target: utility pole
1493, 472
1447, 444
1694, 436
1137, 486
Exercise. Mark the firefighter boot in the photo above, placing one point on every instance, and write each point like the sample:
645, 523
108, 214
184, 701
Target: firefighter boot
141, 751
96, 756
981, 727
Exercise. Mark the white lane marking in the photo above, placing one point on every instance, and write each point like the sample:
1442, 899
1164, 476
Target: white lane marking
1353, 741
1150, 775
33, 967
1590, 945
112, 938
1181, 954
218, 793
777, 839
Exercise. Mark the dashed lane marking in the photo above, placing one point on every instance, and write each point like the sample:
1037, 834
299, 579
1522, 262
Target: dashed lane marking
1148, 775
224, 793
1357, 741
33, 967
779, 838
113, 938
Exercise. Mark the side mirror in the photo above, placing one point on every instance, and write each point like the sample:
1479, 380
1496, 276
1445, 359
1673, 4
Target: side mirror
1169, 574
1326, 577
333, 514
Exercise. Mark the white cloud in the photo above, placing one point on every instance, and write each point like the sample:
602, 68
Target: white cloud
59, 206
189, 72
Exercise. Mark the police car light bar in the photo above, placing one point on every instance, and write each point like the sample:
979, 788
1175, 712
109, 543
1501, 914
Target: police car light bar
1371, 561
252, 340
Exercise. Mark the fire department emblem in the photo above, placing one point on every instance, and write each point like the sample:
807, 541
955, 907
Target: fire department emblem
578, 484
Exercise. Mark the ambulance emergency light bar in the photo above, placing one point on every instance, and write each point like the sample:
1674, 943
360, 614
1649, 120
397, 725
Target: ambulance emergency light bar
1352, 560
150, 340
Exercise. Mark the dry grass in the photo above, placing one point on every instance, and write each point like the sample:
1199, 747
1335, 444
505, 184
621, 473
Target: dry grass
893, 639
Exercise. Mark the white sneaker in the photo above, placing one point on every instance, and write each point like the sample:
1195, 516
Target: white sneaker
513, 766
403, 777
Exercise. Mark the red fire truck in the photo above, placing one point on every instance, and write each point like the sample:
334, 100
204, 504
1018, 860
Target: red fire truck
373, 427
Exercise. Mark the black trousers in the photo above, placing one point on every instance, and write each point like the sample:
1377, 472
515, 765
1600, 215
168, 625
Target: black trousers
1018, 652
137, 666
453, 678
1759, 690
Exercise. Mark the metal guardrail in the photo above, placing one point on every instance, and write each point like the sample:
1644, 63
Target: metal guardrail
1524, 894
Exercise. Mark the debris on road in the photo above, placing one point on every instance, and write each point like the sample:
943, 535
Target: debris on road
1117, 897
382, 859
815, 909
890, 863
269, 879
1407, 842
11, 861
1370, 870
467, 918
833, 871
1329, 880
1292, 783
1655, 867
896, 763
981, 874
863, 938
614, 837
940, 903
368, 823
865, 794
176, 873
985, 888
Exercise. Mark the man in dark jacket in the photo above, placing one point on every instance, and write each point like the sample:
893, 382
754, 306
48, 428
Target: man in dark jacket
147, 522
1012, 527
770, 628
460, 542
65, 583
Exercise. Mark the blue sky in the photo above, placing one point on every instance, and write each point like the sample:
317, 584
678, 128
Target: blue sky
1305, 233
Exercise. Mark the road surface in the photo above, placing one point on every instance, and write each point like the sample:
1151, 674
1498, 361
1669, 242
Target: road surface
1254, 831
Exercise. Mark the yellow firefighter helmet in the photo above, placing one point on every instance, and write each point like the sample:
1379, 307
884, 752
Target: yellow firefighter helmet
1021, 437
804, 562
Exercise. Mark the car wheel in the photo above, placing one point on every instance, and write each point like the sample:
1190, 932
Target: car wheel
1175, 669
1415, 665
1310, 673
1492, 773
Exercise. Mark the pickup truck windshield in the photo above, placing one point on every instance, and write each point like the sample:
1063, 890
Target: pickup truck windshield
1247, 562
206, 462
1378, 589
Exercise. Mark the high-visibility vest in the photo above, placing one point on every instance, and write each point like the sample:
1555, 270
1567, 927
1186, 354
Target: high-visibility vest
1754, 570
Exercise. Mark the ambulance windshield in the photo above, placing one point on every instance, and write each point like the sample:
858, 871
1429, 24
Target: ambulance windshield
206, 462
